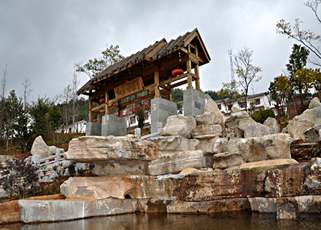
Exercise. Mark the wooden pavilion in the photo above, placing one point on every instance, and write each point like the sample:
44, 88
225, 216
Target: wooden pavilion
147, 70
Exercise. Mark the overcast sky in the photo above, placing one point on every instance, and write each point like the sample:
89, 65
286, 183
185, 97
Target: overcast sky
42, 39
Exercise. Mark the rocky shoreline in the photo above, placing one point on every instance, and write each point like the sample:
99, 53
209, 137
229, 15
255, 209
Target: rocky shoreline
197, 165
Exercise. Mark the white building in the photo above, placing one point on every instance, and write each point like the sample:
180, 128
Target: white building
254, 102
78, 127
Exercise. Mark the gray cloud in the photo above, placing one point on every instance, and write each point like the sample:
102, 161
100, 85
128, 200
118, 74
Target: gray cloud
42, 40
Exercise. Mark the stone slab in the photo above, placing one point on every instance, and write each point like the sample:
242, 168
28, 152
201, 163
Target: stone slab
96, 149
194, 102
176, 162
53, 210
205, 207
112, 125
93, 129
161, 109
120, 167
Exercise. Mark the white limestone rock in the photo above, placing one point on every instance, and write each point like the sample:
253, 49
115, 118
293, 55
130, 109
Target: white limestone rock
297, 127
273, 124
226, 160
256, 130
235, 110
314, 103
207, 131
176, 125
238, 122
172, 144
176, 162
39, 147
62, 210
100, 148
273, 146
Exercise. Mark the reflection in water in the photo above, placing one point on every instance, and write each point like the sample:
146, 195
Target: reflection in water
155, 221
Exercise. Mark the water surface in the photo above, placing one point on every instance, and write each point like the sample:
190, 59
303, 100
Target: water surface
155, 221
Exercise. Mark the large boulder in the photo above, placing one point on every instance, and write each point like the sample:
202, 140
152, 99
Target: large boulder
172, 144
273, 124
120, 167
209, 118
177, 125
207, 131
314, 103
215, 114
235, 110
287, 208
256, 130
238, 122
39, 147
176, 162
273, 146
311, 115
99, 148
297, 127
226, 160
136, 186
304, 151
312, 135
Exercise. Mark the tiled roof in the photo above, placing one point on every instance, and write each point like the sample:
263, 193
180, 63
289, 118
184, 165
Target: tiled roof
138, 57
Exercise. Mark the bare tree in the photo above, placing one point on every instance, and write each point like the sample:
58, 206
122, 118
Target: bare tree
307, 37
74, 97
2, 101
246, 72
26, 91
4, 83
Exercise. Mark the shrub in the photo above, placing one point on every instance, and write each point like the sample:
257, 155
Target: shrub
19, 176
262, 115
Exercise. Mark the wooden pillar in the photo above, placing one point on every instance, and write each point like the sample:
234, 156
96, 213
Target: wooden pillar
90, 112
120, 111
197, 82
106, 105
197, 72
99, 118
170, 92
156, 80
189, 76
189, 70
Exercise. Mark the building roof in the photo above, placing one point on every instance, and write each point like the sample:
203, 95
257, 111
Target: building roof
249, 97
151, 53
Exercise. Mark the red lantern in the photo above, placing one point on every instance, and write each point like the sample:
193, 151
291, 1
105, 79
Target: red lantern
177, 71
102, 100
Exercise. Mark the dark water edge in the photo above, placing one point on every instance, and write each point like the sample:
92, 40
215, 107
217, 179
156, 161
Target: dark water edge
155, 221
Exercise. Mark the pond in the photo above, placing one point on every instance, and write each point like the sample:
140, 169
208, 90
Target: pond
155, 221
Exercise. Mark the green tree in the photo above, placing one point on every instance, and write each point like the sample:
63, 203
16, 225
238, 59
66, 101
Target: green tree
262, 115
298, 59
39, 112
229, 94
276, 95
140, 113
284, 90
94, 66
306, 37
213, 94
23, 132
55, 118
246, 72
298, 76
317, 81
12, 109
177, 97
